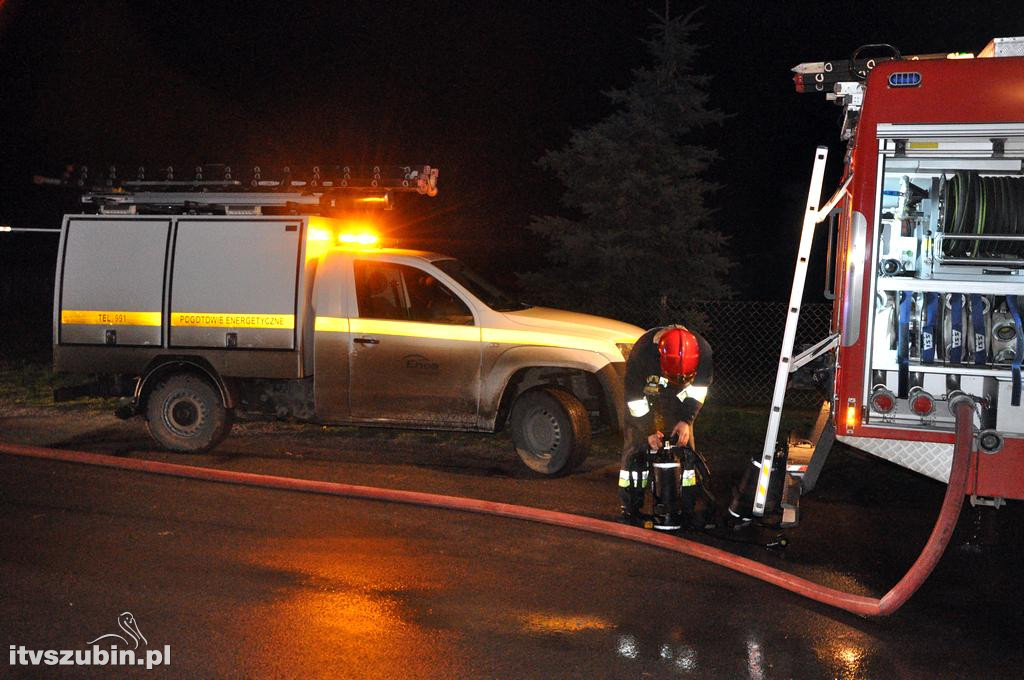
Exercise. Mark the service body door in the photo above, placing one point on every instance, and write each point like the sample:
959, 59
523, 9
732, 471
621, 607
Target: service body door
234, 282
415, 350
111, 281
331, 344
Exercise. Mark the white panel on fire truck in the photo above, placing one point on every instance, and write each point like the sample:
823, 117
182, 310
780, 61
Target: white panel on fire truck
986, 130
881, 364
992, 164
113, 280
234, 282
894, 284
1009, 418
916, 165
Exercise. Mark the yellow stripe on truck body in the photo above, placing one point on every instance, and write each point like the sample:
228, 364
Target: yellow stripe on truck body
415, 329
503, 336
500, 336
232, 320
109, 318
331, 324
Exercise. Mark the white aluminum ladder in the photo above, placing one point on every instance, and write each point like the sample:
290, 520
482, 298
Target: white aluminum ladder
787, 364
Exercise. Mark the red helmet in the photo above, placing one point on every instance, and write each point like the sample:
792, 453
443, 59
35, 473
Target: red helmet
678, 353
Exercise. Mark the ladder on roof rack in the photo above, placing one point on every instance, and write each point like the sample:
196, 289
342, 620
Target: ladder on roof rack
242, 188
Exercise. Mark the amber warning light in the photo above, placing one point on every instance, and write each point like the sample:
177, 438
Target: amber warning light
359, 238
851, 414
324, 234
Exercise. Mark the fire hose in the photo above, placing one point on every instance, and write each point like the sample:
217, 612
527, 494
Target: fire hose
963, 408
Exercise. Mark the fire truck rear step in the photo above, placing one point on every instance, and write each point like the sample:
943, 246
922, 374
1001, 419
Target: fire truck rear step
790, 502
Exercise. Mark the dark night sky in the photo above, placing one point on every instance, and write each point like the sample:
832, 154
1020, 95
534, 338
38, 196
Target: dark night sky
478, 89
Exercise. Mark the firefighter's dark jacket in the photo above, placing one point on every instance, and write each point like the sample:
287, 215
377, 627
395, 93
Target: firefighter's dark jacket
672, 402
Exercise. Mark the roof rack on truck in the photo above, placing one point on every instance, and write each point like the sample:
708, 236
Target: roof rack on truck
241, 189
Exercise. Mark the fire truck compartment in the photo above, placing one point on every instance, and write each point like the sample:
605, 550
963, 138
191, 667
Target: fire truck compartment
947, 276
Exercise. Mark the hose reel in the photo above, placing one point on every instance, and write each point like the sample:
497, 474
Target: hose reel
973, 204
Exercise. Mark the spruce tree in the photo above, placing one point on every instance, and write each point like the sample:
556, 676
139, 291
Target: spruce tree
639, 241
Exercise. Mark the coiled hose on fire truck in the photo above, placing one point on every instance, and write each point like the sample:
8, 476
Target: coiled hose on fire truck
982, 205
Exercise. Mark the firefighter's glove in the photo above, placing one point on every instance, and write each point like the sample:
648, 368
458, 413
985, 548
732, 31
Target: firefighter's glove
681, 433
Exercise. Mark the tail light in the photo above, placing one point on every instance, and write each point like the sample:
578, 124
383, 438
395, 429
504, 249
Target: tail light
852, 419
922, 403
883, 400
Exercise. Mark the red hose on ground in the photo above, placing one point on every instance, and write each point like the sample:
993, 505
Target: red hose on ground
858, 604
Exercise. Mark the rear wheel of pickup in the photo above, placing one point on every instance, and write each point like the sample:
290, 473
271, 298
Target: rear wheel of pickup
185, 413
551, 430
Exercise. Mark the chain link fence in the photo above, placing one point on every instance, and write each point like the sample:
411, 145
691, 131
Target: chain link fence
746, 338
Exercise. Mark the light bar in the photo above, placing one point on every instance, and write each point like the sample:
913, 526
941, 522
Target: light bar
363, 239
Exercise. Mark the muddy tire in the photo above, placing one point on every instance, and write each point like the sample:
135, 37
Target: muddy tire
551, 430
185, 413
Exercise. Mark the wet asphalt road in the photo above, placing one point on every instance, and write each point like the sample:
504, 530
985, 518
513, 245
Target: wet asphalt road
256, 583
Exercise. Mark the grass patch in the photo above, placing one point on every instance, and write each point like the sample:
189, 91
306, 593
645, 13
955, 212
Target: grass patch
31, 383
732, 426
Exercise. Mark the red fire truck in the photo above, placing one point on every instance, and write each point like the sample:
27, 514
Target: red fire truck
927, 236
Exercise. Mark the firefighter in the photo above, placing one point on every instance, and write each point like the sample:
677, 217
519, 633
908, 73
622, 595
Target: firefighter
667, 377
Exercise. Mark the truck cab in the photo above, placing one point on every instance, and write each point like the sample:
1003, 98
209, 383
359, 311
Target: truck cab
418, 338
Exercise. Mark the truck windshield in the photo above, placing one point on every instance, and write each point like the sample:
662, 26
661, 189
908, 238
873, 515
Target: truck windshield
486, 291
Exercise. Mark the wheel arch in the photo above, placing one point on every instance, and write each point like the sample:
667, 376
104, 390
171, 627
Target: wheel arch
598, 385
169, 365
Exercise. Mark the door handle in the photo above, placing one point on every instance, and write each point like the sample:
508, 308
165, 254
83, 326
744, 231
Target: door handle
366, 341
830, 258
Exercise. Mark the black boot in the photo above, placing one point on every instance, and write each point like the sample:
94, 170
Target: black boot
632, 486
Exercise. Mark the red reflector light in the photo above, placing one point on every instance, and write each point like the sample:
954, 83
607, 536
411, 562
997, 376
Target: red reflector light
883, 400
921, 402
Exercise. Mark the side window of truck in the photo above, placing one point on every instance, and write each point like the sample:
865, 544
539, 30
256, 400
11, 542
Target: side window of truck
386, 290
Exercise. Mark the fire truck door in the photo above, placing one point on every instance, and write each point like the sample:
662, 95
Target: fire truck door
415, 350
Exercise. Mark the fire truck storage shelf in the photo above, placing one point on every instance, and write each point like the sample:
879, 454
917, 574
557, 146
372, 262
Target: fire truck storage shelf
938, 286
946, 275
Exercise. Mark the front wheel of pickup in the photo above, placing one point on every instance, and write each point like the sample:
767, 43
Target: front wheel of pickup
185, 413
551, 430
